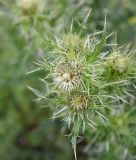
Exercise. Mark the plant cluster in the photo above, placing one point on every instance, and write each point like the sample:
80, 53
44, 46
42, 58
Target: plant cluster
87, 80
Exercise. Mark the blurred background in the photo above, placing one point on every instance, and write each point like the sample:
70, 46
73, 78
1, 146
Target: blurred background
26, 130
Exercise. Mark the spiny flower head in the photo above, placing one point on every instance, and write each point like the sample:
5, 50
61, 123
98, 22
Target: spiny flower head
119, 65
79, 100
28, 7
72, 43
68, 75
117, 62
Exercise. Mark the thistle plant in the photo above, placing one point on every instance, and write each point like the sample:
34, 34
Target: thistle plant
86, 80
118, 140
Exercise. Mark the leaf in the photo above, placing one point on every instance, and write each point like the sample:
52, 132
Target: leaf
73, 140
75, 131
91, 57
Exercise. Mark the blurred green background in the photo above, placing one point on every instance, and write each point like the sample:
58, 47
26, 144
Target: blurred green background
26, 130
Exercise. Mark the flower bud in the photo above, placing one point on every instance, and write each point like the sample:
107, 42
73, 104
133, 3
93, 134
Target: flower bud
28, 7
117, 63
72, 43
78, 100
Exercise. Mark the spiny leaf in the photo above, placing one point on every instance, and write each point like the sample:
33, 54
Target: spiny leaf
92, 56
75, 132
73, 140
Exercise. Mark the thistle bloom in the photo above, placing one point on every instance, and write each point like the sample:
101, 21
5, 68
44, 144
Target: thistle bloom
119, 63
68, 75
79, 100
28, 6
72, 43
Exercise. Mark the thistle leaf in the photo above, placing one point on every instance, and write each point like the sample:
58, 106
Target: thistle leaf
92, 56
73, 140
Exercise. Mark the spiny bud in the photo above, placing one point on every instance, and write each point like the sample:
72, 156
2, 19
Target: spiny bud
117, 62
72, 43
68, 75
28, 7
78, 100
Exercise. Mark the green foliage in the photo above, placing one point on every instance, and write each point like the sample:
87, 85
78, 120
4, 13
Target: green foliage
87, 84
98, 112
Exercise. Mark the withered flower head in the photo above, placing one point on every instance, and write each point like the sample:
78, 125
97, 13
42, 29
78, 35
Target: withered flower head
68, 75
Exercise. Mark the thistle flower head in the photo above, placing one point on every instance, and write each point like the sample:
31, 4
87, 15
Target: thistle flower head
28, 7
79, 100
68, 75
117, 62
72, 43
